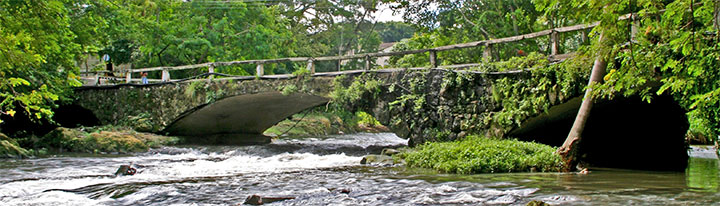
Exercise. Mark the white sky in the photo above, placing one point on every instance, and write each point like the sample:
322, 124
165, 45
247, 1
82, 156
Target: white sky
385, 14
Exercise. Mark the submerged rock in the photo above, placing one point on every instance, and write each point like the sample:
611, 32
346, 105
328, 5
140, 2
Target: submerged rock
389, 151
340, 190
377, 159
259, 200
537, 203
125, 170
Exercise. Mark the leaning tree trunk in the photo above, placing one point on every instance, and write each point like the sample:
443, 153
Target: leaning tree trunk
569, 150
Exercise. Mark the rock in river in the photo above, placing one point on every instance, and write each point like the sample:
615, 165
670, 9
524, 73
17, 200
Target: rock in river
377, 159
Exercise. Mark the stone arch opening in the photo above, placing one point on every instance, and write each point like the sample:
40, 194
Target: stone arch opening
240, 119
622, 133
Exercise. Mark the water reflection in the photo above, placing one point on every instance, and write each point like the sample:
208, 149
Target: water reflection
703, 175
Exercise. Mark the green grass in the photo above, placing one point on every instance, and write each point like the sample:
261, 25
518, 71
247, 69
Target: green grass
476, 154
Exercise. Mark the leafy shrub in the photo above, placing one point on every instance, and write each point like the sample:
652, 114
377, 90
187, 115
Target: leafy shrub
360, 88
366, 119
477, 154
548, 84
288, 89
701, 129
301, 72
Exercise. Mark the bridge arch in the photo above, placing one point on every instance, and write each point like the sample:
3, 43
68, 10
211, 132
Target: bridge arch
625, 132
240, 118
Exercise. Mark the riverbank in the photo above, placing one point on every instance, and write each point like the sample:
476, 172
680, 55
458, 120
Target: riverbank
127, 139
95, 140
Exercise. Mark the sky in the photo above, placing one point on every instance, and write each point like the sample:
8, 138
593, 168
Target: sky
385, 14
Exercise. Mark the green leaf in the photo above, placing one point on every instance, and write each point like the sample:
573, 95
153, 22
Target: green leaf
18, 81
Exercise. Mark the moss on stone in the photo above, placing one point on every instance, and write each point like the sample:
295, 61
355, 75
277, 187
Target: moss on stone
114, 140
10, 148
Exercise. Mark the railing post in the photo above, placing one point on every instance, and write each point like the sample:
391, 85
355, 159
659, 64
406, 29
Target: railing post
433, 59
165, 75
97, 78
553, 43
211, 71
128, 76
367, 62
635, 27
311, 66
259, 70
487, 52
584, 36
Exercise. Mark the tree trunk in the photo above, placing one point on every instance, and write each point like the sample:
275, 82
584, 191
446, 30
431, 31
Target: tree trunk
514, 18
716, 15
569, 150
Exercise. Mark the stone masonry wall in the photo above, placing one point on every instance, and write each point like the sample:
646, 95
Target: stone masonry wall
421, 105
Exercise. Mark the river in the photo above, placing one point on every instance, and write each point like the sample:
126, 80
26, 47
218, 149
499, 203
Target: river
326, 171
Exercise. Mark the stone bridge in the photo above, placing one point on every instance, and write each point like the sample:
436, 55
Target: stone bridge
418, 104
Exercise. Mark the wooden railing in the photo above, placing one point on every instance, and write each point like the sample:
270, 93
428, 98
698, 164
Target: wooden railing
311, 61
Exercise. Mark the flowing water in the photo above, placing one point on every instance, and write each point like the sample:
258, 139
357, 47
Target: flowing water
321, 171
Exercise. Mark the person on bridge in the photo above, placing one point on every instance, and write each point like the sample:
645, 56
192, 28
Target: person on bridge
144, 79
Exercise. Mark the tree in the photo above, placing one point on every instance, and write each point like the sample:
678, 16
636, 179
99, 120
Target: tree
454, 22
394, 31
676, 48
38, 46
333, 27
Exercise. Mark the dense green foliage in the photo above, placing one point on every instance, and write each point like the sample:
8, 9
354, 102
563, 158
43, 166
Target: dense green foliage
477, 154
394, 31
362, 88
454, 22
675, 51
38, 43
548, 85
513, 98
42, 40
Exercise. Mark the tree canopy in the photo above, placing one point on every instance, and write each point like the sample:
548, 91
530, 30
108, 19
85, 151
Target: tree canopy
42, 40
39, 41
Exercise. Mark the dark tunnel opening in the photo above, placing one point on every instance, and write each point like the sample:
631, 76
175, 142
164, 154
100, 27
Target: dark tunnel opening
72, 116
66, 115
622, 133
